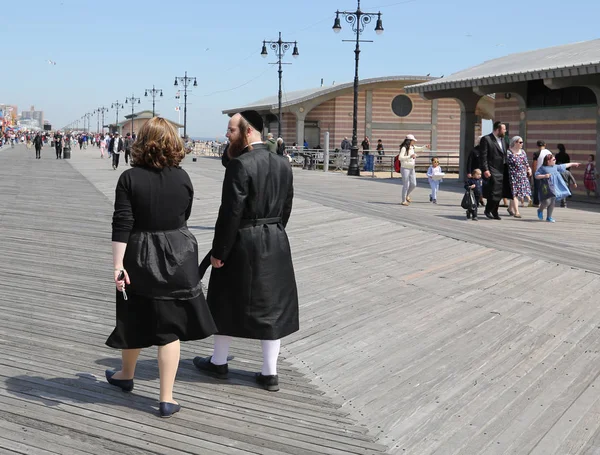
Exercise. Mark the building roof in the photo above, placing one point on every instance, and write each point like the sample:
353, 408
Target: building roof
145, 115
301, 96
559, 61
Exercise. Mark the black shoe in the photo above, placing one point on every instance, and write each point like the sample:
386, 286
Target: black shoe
168, 409
204, 364
125, 384
488, 215
270, 383
497, 217
475, 219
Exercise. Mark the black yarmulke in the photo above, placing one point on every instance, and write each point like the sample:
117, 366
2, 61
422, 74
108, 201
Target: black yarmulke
254, 118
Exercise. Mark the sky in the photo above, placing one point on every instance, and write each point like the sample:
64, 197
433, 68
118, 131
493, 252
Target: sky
108, 50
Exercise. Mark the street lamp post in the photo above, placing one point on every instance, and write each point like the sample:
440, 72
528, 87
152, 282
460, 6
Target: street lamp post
185, 80
116, 105
153, 92
101, 110
132, 99
358, 19
88, 116
280, 47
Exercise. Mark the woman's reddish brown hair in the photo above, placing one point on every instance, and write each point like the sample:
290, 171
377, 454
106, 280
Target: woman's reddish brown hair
157, 145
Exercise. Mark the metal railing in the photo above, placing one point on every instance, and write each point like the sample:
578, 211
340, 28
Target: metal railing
312, 159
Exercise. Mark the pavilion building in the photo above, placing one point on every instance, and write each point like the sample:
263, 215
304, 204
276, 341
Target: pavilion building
385, 111
550, 94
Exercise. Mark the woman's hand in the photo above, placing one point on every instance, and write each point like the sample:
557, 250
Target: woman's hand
120, 283
548, 176
528, 172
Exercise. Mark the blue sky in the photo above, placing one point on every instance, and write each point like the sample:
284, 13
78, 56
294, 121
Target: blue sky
105, 51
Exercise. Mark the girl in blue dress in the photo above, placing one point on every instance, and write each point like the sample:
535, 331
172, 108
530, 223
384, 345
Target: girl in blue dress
552, 185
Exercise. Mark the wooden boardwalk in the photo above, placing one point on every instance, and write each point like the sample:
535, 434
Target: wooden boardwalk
421, 333
57, 308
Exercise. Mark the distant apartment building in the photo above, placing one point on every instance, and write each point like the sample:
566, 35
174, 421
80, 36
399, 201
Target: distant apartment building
32, 118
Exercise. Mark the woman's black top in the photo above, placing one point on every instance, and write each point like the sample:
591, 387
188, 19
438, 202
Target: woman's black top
151, 210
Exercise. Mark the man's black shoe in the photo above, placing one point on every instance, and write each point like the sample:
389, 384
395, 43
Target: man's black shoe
204, 364
497, 217
489, 215
270, 383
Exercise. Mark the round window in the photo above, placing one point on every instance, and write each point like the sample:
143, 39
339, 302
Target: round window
402, 105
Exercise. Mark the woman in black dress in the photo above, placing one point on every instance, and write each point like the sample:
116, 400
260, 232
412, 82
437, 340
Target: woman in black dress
156, 261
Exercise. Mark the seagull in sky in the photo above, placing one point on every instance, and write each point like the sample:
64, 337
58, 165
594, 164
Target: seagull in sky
50, 62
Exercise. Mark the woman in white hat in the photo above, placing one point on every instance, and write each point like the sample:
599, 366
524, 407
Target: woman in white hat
407, 166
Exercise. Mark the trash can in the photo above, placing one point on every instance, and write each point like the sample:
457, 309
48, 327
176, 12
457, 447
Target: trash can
369, 162
66, 154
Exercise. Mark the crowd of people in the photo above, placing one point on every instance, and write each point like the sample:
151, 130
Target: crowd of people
499, 170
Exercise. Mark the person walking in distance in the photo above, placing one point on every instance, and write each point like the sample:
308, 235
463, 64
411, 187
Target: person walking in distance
538, 161
407, 168
252, 290
116, 147
434, 174
552, 185
159, 300
380, 151
58, 145
519, 173
493, 162
128, 145
38, 143
346, 145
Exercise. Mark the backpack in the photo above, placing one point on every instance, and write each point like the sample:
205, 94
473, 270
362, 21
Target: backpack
397, 163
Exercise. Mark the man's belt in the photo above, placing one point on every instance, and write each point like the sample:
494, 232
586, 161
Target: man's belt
205, 263
259, 222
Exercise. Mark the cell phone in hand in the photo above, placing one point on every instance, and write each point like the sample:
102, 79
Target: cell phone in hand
119, 278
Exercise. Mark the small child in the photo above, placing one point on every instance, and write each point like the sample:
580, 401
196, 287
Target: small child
569, 180
434, 183
474, 183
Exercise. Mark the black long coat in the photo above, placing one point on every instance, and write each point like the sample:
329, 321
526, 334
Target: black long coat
493, 158
254, 294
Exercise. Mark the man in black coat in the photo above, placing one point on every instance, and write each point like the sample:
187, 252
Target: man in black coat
252, 290
116, 147
38, 143
493, 163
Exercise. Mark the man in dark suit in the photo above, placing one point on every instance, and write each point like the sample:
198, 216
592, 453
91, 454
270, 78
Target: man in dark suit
116, 147
492, 158
252, 292
38, 143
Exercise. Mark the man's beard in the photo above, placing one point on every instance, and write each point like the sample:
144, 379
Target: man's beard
237, 147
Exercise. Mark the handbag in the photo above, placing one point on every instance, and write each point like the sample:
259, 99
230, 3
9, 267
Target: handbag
468, 201
546, 189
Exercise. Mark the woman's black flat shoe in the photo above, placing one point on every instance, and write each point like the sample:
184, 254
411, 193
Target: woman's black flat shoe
168, 409
125, 384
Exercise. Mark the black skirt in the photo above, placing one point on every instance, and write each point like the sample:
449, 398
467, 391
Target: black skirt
143, 322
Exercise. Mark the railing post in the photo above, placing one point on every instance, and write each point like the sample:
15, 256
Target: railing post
326, 153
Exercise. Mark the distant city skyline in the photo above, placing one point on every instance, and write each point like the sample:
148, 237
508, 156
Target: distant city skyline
76, 57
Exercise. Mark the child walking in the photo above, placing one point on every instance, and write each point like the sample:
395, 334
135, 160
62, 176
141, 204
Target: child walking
552, 185
434, 182
474, 184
